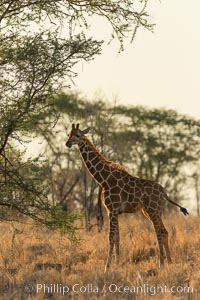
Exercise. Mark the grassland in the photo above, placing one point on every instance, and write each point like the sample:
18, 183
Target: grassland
36, 263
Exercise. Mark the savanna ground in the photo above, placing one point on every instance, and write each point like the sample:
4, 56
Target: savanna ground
36, 263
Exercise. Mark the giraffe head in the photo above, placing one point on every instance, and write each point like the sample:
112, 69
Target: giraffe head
76, 135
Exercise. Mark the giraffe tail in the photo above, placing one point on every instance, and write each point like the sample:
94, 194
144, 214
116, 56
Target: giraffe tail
182, 209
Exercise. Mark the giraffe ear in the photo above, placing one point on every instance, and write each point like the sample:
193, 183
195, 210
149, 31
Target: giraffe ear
85, 131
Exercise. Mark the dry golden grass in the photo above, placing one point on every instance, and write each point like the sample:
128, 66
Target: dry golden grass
32, 257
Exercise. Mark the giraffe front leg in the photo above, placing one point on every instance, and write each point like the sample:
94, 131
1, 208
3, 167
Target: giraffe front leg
112, 239
117, 239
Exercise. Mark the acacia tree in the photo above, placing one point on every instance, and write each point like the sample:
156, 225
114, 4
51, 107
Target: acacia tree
40, 44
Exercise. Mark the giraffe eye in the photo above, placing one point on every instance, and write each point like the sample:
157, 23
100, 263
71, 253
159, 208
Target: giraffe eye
78, 135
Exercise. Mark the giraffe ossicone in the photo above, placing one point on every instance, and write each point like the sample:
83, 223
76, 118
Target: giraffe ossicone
123, 193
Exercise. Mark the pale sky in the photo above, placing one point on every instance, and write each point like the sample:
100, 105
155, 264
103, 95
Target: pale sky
158, 70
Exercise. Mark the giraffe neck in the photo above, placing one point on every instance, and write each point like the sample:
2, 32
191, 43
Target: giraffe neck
96, 164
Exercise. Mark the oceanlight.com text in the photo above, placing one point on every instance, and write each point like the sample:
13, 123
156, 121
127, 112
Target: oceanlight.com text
112, 288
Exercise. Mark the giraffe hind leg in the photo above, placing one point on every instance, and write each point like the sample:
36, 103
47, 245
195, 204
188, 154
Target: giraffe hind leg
163, 233
162, 236
166, 245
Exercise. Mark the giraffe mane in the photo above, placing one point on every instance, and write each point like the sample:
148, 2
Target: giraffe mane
103, 159
118, 166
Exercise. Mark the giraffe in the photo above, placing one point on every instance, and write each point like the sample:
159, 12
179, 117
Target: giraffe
123, 193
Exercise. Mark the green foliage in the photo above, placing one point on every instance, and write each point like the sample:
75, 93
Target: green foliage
63, 220
37, 60
123, 17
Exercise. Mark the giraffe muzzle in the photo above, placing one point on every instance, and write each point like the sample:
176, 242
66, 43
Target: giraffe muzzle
68, 144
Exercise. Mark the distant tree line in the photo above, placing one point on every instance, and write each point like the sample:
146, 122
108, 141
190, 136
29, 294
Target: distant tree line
156, 144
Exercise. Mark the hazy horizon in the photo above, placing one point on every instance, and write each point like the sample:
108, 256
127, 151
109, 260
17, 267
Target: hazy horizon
160, 69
